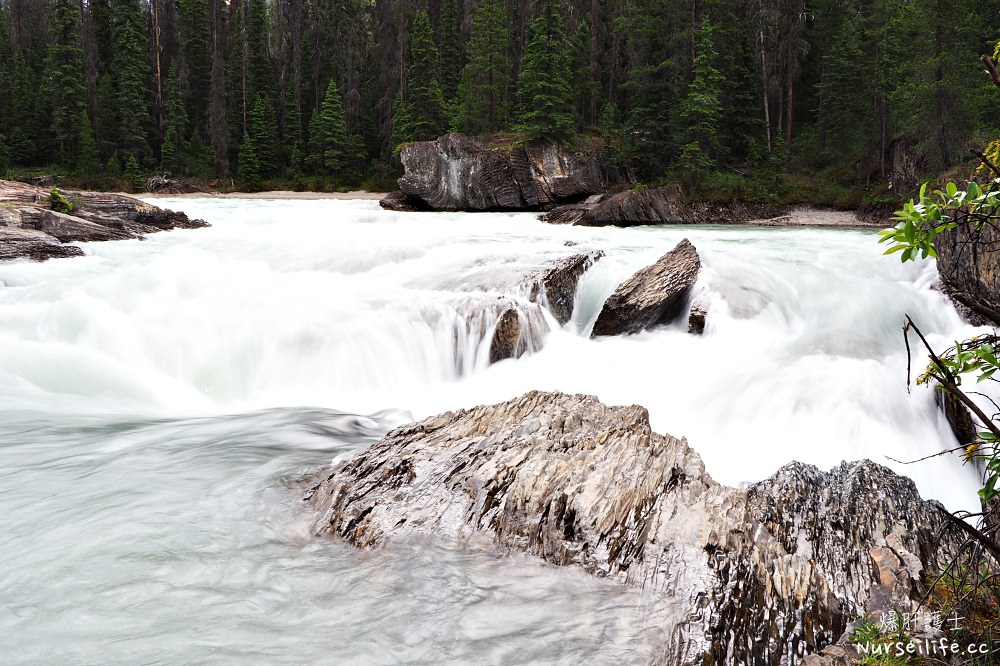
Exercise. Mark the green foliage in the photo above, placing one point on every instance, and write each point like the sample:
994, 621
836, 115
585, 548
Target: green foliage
264, 132
131, 73
248, 164
484, 91
133, 174
424, 96
64, 87
88, 160
328, 134
546, 106
175, 127
919, 223
58, 202
701, 111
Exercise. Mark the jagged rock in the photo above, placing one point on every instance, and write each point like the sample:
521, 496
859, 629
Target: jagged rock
401, 202
654, 295
555, 286
458, 172
95, 216
665, 205
697, 316
505, 336
759, 575
27, 243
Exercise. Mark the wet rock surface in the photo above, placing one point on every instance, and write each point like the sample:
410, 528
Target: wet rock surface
95, 216
759, 575
970, 271
458, 172
654, 295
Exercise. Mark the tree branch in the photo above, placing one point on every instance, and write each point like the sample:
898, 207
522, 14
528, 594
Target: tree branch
991, 69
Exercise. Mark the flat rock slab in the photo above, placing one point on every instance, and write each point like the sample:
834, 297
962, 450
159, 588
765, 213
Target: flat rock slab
654, 295
95, 216
758, 575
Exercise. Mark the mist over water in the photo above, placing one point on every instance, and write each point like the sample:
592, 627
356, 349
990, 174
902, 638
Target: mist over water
158, 398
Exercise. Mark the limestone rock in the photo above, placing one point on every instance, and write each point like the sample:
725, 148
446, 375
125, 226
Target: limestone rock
555, 286
458, 172
970, 271
95, 216
665, 205
26, 243
697, 316
654, 295
401, 202
505, 336
759, 575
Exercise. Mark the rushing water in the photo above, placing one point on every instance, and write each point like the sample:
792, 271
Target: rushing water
158, 398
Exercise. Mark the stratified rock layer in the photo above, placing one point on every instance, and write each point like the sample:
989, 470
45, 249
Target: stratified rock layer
30, 228
654, 295
458, 172
758, 575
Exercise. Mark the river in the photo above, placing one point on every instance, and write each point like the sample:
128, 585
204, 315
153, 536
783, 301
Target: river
158, 397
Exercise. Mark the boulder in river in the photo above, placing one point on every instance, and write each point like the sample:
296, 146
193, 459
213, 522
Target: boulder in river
654, 295
94, 216
762, 574
458, 172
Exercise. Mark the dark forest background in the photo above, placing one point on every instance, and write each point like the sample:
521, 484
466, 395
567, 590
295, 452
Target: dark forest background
829, 100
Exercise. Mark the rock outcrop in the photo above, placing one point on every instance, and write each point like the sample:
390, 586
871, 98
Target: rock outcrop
665, 205
458, 172
970, 271
555, 285
758, 575
654, 295
30, 228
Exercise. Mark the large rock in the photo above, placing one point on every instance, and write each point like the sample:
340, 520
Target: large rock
458, 172
665, 205
758, 575
95, 216
555, 285
654, 295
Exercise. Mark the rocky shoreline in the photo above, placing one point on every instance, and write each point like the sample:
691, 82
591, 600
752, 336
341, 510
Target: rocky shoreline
32, 228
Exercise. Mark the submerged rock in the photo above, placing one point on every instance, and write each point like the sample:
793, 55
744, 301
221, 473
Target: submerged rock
458, 172
654, 295
697, 316
95, 216
757, 575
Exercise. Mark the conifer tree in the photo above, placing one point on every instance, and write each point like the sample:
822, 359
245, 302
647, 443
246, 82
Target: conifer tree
248, 165
65, 88
449, 48
424, 96
484, 92
264, 134
133, 174
328, 134
402, 122
545, 94
175, 127
132, 74
701, 111
88, 159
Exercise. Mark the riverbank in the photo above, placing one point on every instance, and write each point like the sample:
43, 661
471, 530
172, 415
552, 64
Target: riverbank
282, 195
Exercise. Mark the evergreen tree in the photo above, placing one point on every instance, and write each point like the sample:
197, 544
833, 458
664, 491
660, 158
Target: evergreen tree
701, 111
424, 97
194, 74
546, 105
133, 174
88, 159
132, 76
484, 92
65, 88
248, 168
328, 134
449, 48
175, 129
264, 134
402, 122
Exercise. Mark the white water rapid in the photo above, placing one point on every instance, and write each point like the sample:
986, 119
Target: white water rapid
156, 396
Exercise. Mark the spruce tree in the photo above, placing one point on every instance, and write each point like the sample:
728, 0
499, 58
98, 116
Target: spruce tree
248, 166
402, 122
132, 75
264, 133
546, 105
484, 92
449, 48
172, 154
701, 111
65, 87
88, 159
424, 98
133, 174
328, 134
